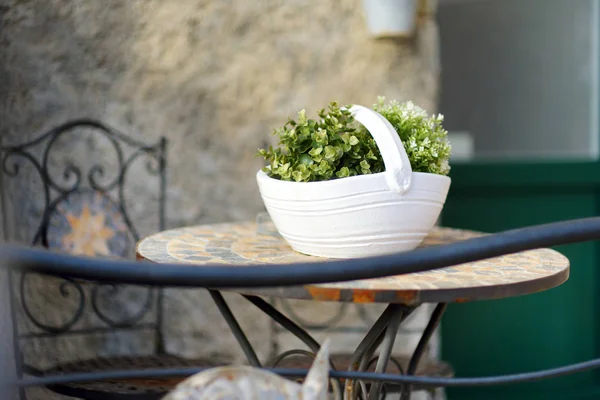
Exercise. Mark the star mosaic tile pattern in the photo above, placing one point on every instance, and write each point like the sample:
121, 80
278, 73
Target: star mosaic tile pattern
245, 244
88, 223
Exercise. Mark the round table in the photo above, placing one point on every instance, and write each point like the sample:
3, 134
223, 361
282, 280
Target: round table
249, 243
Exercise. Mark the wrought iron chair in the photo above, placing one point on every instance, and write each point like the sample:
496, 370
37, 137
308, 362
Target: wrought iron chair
85, 213
223, 277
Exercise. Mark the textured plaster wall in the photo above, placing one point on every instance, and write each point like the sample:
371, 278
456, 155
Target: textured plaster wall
214, 77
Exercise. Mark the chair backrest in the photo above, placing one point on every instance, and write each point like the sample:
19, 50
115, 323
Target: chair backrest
80, 171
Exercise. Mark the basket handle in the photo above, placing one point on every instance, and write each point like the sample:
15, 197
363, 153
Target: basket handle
397, 165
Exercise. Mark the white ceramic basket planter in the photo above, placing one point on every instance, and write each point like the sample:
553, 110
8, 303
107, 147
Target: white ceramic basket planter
391, 18
363, 215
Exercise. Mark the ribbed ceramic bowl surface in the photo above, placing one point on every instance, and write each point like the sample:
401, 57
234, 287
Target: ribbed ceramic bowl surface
363, 215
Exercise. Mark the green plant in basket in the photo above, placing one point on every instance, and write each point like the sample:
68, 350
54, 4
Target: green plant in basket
336, 146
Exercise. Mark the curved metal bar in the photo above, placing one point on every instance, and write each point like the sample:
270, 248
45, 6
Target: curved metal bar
290, 372
363, 386
386, 348
363, 390
343, 307
124, 165
121, 188
370, 338
88, 122
369, 344
335, 383
162, 165
368, 355
393, 361
71, 168
126, 322
274, 275
95, 171
153, 164
275, 362
98, 170
434, 321
15, 171
364, 366
69, 171
64, 292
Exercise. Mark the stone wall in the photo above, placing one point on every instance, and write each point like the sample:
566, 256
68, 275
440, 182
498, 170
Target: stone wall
214, 77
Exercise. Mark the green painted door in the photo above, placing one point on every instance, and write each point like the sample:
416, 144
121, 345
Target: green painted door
537, 331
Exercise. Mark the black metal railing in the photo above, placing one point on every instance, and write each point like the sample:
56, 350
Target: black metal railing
221, 277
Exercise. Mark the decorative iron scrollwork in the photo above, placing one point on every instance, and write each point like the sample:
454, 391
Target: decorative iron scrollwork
71, 184
114, 291
65, 288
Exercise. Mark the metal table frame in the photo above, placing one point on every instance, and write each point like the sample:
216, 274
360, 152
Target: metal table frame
382, 334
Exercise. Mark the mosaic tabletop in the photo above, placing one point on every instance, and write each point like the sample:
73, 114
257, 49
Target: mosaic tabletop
247, 243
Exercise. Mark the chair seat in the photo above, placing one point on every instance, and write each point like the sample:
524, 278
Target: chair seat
124, 389
341, 362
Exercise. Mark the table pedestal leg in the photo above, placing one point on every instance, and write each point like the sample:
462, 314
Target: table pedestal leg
434, 321
364, 351
382, 333
296, 330
386, 348
235, 327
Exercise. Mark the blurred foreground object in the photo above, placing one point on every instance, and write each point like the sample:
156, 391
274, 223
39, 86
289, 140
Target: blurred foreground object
248, 383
